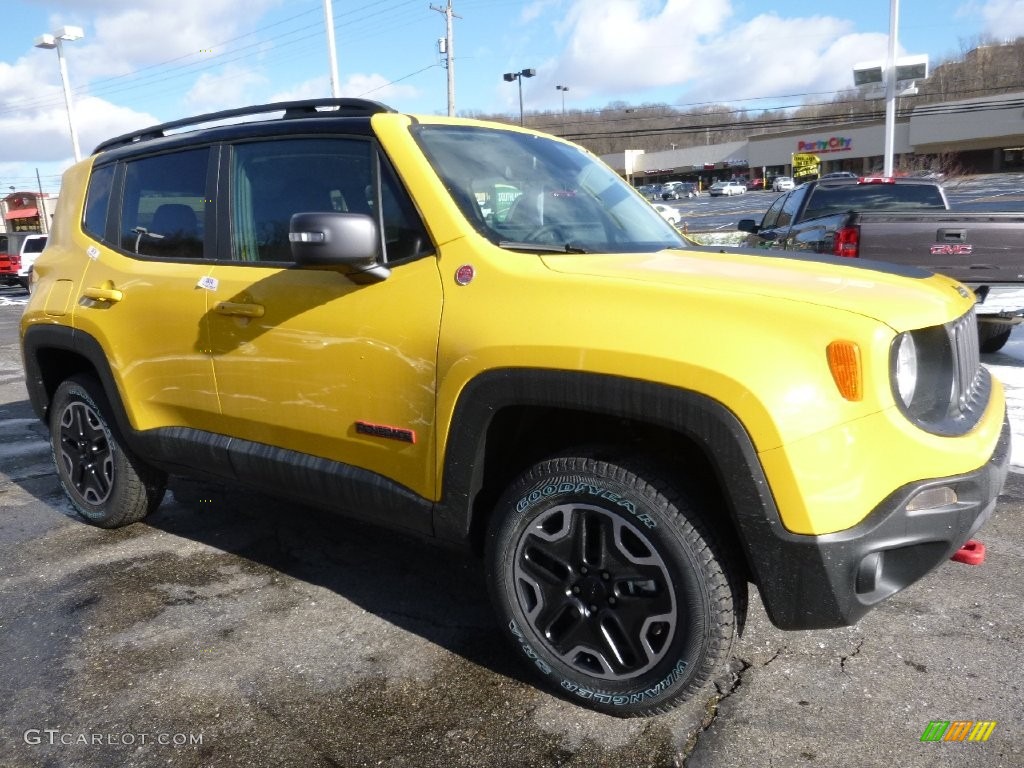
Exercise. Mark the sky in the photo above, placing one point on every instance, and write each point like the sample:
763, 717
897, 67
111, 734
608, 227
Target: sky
143, 62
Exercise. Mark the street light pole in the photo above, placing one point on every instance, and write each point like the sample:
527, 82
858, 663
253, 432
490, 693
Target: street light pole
332, 50
563, 89
54, 41
510, 76
890, 89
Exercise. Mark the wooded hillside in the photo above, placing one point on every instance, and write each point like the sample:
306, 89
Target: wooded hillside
984, 70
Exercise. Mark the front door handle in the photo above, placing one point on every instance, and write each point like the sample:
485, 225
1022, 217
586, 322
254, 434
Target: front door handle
105, 293
238, 309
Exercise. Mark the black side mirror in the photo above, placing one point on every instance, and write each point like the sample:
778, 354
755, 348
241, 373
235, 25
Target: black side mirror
747, 225
348, 243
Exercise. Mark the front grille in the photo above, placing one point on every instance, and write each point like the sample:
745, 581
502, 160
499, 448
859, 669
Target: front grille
963, 336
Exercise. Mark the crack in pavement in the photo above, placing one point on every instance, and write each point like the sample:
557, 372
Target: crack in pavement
725, 687
844, 659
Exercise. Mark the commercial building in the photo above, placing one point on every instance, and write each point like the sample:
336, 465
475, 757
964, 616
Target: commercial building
984, 135
27, 212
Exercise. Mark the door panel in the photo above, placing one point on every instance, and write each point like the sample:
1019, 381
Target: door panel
307, 360
146, 309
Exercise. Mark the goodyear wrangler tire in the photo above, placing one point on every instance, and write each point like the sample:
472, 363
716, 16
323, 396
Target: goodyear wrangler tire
107, 484
606, 579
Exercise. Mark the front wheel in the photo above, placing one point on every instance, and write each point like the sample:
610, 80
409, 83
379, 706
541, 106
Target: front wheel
993, 336
108, 485
608, 580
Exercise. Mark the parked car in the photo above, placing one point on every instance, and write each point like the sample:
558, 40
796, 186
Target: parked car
12, 246
309, 298
908, 222
650, 191
676, 190
726, 188
783, 184
754, 184
840, 175
668, 213
31, 247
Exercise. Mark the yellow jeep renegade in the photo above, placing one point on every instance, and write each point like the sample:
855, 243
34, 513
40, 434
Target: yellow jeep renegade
481, 333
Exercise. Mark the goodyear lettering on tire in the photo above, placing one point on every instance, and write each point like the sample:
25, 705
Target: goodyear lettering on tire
528, 650
618, 699
587, 489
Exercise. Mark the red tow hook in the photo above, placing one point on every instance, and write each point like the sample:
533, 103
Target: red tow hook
971, 553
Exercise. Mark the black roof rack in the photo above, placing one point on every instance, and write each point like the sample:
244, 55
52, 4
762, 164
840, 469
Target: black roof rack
291, 109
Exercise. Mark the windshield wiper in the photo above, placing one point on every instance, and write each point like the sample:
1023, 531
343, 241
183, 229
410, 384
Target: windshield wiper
515, 245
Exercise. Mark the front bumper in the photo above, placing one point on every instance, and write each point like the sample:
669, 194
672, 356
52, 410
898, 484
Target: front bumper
832, 580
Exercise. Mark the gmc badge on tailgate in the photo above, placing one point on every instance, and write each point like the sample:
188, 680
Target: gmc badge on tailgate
952, 250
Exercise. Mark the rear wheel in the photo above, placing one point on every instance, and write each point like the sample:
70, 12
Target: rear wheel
107, 484
609, 582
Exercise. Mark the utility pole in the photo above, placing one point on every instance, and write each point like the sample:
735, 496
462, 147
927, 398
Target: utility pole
332, 51
449, 60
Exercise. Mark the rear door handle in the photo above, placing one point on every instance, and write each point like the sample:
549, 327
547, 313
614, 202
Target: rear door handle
239, 309
110, 295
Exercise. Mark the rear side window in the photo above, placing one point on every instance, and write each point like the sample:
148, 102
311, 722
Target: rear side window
873, 197
97, 202
34, 245
164, 206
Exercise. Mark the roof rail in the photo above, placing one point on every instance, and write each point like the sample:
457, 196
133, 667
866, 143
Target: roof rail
291, 109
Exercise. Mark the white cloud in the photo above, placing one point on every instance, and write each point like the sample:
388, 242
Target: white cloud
362, 86
377, 87
616, 47
232, 86
121, 38
1004, 19
314, 88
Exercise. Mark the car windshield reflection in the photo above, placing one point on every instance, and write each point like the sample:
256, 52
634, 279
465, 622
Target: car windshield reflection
522, 191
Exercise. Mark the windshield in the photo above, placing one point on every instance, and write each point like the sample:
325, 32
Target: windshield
520, 190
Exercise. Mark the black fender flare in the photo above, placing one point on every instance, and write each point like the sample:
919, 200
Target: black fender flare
706, 422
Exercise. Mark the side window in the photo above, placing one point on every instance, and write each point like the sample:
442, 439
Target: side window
790, 207
272, 180
164, 206
771, 218
97, 201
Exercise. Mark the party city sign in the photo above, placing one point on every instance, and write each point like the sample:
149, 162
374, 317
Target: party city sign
833, 144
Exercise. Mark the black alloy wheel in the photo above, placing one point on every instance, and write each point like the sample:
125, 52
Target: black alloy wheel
107, 484
612, 584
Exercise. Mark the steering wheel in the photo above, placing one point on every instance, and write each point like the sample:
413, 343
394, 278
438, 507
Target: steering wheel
548, 233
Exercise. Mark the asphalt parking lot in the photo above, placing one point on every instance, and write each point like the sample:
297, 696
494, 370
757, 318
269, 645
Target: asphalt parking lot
235, 629
993, 192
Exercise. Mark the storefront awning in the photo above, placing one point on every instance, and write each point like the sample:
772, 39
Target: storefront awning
22, 213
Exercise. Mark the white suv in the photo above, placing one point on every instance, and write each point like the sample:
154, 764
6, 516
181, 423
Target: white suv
31, 247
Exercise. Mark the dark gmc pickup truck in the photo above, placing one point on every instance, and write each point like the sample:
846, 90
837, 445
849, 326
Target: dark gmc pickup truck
907, 221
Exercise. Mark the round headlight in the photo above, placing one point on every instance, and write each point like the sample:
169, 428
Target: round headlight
906, 368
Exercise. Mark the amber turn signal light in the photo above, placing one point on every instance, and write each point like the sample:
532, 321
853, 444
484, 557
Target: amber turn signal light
844, 362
